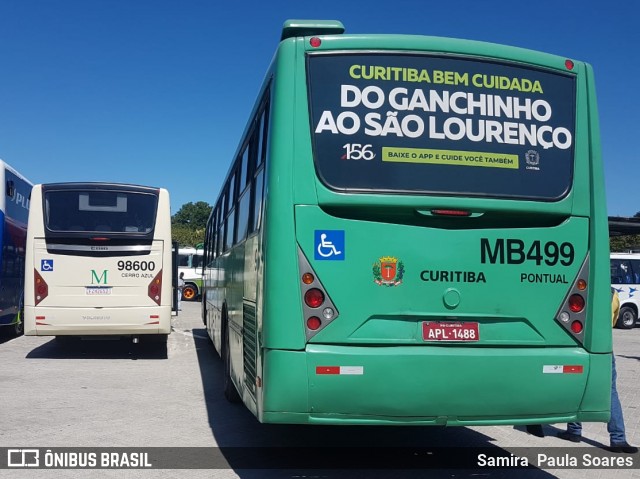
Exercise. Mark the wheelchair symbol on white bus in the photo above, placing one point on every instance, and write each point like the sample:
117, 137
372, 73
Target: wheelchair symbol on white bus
46, 265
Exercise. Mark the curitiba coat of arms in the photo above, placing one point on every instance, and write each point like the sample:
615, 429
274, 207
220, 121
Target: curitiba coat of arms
388, 271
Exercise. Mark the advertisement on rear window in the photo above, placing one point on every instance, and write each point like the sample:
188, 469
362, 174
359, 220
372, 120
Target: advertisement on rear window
441, 125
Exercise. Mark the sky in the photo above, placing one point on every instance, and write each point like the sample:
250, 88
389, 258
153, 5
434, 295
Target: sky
157, 92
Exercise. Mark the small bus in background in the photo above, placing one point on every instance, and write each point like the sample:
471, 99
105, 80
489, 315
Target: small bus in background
190, 263
625, 279
98, 261
413, 231
14, 213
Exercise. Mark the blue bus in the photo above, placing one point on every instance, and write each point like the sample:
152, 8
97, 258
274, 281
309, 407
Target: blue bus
14, 213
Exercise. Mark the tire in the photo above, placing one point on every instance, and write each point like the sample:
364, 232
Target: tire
230, 391
627, 318
189, 292
18, 326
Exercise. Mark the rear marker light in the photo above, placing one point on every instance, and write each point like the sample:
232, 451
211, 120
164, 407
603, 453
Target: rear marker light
569, 64
341, 370
315, 42
314, 298
562, 369
318, 311
582, 284
451, 212
40, 286
576, 327
572, 369
576, 303
328, 313
155, 288
313, 323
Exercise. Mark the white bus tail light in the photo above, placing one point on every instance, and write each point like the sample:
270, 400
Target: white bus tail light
317, 308
41, 288
572, 314
155, 288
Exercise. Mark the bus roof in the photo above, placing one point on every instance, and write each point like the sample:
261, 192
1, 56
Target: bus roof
7, 166
99, 186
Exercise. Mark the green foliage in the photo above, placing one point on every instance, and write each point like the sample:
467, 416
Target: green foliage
194, 215
624, 243
187, 236
188, 225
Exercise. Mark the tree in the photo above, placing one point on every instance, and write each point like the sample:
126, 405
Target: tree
624, 243
194, 215
188, 225
186, 236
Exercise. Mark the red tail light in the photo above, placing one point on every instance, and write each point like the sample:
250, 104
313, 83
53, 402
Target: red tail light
155, 288
314, 298
313, 323
442, 212
40, 287
576, 327
576, 303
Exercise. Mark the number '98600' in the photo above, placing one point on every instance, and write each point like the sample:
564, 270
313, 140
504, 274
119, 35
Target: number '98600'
136, 265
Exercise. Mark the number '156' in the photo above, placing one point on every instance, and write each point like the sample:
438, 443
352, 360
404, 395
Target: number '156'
356, 151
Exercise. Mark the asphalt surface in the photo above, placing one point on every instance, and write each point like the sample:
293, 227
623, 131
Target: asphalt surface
102, 394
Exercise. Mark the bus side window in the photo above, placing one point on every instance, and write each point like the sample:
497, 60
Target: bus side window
635, 270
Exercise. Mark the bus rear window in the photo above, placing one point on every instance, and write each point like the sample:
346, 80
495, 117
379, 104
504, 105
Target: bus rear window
424, 124
115, 211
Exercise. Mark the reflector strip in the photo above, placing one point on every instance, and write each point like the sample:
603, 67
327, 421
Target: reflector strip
340, 370
153, 322
559, 369
572, 369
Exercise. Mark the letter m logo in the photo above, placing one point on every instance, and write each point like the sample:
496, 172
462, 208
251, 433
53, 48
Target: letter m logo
95, 279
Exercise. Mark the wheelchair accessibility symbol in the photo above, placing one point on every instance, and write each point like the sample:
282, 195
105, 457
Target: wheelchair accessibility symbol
329, 245
46, 265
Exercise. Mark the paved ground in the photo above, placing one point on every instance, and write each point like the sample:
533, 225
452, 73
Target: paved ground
103, 394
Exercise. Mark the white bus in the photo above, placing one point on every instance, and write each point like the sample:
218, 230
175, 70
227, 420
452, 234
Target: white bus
98, 261
190, 263
625, 279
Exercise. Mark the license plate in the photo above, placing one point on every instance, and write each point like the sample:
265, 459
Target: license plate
450, 331
98, 290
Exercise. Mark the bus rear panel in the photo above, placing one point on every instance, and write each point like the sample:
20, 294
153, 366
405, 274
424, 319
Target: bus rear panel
435, 244
98, 261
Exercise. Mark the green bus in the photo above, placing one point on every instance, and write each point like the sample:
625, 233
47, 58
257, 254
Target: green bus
413, 231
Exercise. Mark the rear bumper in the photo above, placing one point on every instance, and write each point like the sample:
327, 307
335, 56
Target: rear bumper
438, 386
96, 321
